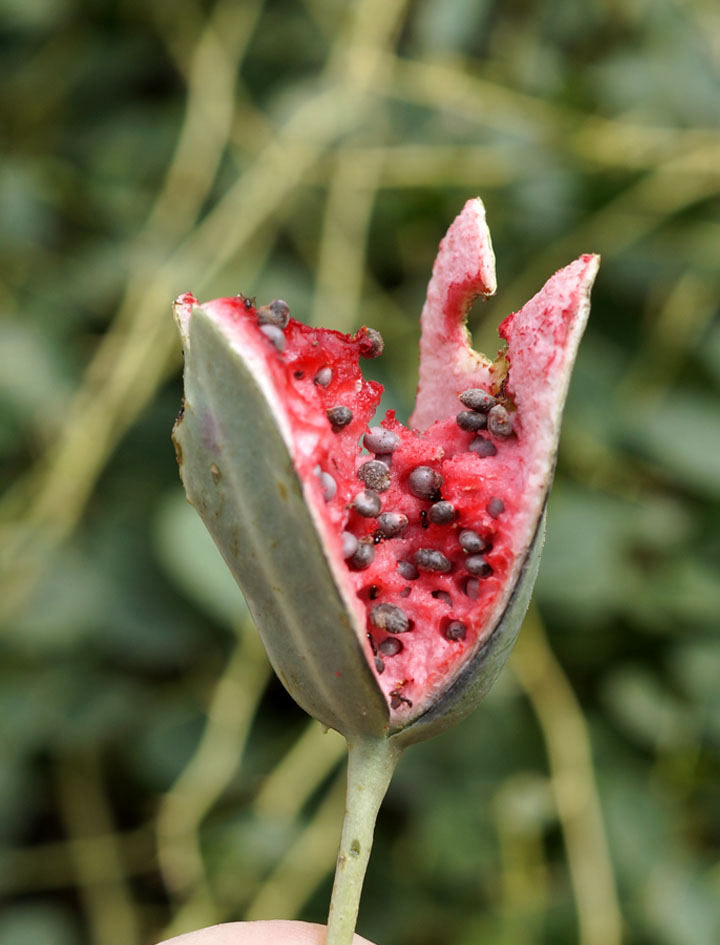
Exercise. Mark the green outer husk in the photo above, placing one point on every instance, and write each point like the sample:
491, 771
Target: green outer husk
239, 475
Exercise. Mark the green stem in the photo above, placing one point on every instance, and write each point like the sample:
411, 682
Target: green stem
371, 764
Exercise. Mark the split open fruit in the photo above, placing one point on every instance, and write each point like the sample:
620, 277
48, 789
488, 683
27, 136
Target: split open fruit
387, 568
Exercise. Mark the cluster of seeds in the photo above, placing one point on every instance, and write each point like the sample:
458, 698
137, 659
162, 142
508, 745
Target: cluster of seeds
436, 542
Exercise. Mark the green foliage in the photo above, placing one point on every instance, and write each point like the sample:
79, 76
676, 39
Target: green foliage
153, 777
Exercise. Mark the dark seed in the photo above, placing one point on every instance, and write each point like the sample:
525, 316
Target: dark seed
472, 588
373, 592
274, 335
367, 503
470, 421
471, 542
323, 377
276, 313
371, 342
424, 482
349, 545
396, 700
482, 446
443, 596
430, 559
477, 399
375, 475
408, 570
478, 566
392, 523
379, 440
500, 421
379, 665
390, 646
339, 418
495, 507
455, 630
364, 556
389, 617
442, 513
405, 592
299, 375
385, 458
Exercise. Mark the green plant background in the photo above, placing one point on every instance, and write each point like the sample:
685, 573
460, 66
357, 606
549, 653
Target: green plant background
153, 776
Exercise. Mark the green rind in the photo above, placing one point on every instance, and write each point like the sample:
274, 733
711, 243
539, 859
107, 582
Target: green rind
239, 475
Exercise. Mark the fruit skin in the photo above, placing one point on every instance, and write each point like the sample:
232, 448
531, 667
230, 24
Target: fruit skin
298, 604
312, 626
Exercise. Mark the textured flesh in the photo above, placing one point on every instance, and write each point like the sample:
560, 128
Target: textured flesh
531, 379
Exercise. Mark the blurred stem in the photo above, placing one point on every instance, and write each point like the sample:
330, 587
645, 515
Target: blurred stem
111, 912
567, 741
371, 764
207, 774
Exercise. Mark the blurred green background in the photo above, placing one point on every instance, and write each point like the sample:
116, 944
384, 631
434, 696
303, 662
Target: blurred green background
153, 776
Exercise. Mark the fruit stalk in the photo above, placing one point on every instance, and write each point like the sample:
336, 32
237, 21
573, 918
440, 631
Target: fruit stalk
371, 764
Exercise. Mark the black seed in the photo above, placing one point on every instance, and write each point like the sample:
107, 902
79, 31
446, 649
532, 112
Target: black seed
443, 596
375, 475
430, 559
499, 421
379, 666
478, 566
408, 570
470, 421
455, 630
274, 335
396, 699
367, 503
373, 592
371, 342
442, 513
349, 545
472, 588
495, 507
471, 542
474, 398
323, 377
364, 556
339, 417
390, 646
276, 313
482, 446
424, 482
389, 617
392, 523
382, 441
